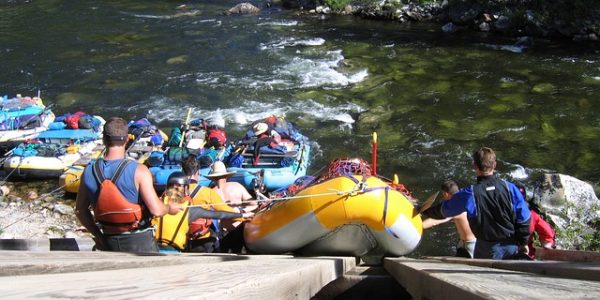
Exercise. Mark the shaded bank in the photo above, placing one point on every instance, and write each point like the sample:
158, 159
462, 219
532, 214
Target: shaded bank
577, 20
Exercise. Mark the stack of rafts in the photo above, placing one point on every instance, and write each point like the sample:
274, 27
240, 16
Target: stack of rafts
69, 138
22, 118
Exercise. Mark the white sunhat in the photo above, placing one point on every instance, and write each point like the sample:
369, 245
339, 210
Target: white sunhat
218, 170
260, 128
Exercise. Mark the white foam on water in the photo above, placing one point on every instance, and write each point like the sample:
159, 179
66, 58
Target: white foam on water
300, 72
321, 72
430, 144
291, 42
509, 48
513, 129
162, 108
190, 13
279, 23
518, 172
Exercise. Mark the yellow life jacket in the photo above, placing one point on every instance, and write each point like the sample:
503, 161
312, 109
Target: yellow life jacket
208, 199
171, 230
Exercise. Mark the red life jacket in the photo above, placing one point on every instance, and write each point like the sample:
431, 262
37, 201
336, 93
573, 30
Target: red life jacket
219, 134
72, 121
201, 226
114, 212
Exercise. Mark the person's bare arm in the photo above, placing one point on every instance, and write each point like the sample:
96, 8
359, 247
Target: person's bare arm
157, 208
249, 203
82, 210
429, 222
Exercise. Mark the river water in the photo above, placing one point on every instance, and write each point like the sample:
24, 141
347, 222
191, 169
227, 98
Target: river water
432, 98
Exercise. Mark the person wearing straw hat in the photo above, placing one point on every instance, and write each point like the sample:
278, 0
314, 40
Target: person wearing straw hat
234, 194
200, 240
262, 130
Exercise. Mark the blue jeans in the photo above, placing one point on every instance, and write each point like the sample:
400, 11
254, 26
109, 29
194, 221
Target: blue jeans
495, 250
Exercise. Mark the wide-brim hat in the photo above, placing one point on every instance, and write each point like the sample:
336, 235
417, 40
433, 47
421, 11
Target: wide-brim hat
218, 170
260, 128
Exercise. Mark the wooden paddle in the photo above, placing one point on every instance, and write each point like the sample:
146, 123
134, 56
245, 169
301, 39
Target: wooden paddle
427, 204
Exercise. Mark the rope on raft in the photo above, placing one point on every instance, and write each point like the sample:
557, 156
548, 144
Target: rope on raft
358, 188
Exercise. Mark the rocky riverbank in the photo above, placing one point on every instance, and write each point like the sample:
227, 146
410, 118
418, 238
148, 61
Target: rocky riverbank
27, 214
577, 20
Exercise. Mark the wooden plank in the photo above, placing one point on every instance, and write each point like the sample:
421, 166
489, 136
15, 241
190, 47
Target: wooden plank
574, 270
256, 277
432, 279
14, 263
62, 244
567, 255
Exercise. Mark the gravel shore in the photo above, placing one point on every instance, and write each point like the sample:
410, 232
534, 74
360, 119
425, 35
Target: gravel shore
38, 219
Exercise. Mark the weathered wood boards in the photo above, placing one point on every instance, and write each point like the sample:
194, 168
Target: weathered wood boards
573, 270
198, 276
567, 255
433, 279
65, 244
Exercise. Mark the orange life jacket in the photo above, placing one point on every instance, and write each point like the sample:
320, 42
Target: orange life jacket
114, 212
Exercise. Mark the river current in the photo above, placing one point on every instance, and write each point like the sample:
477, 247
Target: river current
433, 98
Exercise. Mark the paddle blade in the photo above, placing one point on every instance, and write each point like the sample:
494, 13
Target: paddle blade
427, 204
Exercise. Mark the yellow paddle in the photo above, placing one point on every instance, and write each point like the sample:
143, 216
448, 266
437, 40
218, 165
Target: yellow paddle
187, 121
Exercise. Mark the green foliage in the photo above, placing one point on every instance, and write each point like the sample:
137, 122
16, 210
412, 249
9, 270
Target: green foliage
577, 235
337, 4
340, 4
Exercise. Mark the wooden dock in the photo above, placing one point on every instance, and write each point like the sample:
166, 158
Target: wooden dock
31, 271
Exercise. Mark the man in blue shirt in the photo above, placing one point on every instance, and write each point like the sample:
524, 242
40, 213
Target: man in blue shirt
498, 215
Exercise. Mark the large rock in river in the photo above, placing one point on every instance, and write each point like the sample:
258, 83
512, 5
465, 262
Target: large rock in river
570, 203
243, 8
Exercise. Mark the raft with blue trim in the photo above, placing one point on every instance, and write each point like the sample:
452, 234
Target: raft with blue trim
163, 163
345, 212
53, 152
271, 162
272, 171
22, 118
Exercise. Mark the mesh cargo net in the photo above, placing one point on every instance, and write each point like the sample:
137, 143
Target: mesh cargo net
347, 167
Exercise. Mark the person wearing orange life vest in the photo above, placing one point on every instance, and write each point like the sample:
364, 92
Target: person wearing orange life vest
172, 230
121, 193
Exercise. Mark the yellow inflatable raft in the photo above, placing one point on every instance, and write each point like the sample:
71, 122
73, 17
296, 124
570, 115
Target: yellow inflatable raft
347, 214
